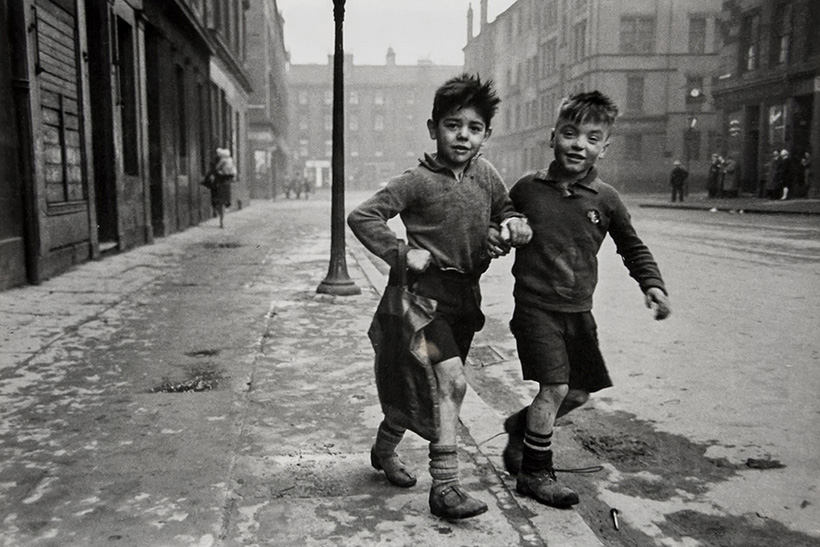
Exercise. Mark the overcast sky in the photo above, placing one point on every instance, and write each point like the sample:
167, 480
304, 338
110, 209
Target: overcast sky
415, 29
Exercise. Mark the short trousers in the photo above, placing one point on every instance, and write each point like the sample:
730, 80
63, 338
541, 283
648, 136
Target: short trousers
559, 348
458, 314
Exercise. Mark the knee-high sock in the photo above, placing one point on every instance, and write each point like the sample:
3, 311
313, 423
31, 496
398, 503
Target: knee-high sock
388, 438
537, 452
443, 464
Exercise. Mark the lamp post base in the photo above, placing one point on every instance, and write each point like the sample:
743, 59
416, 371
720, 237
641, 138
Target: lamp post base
338, 287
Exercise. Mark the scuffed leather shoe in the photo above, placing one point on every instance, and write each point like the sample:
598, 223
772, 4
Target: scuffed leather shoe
543, 487
451, 502
394, 469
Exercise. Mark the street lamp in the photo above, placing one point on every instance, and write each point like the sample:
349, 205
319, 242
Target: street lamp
337, 281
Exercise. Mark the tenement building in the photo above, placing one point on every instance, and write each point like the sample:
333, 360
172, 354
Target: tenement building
768, 83
656, 58
267, 105
386, 110
111, 111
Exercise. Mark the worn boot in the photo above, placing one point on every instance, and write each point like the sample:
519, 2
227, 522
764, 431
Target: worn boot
543, 487
394, 469
451, 502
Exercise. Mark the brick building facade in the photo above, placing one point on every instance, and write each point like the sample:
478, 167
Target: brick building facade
386, 111
267, 108
655, 58
768, 85
111, 112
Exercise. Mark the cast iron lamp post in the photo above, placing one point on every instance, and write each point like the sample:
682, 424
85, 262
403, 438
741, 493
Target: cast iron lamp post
337, 281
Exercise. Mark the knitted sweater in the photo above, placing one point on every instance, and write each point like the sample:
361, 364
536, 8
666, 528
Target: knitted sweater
447, 217
558, 269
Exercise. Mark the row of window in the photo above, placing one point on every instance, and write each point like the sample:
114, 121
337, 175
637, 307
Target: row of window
352, 122
352, 149
637, 36
772, 46
541, 111
353, 97
636, 147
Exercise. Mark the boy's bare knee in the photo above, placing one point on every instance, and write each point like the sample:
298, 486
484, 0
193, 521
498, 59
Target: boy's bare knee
552, 393
452, 383
576, 397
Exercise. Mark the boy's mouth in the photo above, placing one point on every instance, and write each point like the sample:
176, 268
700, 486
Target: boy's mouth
575, 158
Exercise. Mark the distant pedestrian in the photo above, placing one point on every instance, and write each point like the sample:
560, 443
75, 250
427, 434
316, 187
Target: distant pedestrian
805, 176
784, 176
731, 178
770, 181
305, 185
447, 203
219, 178
713, 178
678, 180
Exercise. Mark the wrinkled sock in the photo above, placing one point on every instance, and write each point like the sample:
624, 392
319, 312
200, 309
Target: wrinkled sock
443, 464
387, 439
537, 452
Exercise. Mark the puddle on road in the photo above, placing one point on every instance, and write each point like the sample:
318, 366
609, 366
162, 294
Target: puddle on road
222, 245
198, 379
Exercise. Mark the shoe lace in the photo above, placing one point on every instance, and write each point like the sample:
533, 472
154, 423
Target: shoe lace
577, 470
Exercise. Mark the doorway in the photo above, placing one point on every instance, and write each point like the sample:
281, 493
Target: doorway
152, 91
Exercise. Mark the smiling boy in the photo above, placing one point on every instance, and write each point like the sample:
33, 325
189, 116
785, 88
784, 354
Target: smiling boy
446, 204
570, 210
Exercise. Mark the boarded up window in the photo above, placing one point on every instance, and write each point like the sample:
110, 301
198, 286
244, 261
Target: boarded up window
57, 71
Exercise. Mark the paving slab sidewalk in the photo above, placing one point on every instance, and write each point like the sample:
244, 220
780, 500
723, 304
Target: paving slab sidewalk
93, 452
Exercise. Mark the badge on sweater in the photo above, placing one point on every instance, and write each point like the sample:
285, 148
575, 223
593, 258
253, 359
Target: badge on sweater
594, 216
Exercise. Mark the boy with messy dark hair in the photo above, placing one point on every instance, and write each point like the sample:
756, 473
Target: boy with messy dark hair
446, 204
570, 210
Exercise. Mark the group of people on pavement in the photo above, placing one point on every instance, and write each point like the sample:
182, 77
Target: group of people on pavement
458, 216
783, 177
723, 180
297, 184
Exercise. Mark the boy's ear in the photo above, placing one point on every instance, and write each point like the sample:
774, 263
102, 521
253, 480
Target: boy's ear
552, 138
431, 128
487, 133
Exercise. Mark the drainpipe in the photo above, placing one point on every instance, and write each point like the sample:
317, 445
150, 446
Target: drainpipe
21, 88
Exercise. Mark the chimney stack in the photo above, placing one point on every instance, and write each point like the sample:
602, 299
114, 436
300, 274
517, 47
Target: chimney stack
391, 57
470, 22
483, 14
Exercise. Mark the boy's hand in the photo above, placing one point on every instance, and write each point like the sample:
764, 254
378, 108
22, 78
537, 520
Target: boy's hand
418, 260
657, 300
496, 244
520, 231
